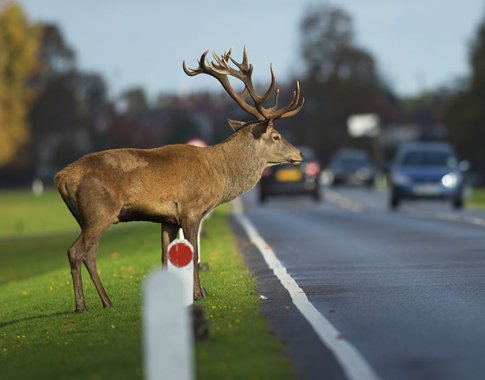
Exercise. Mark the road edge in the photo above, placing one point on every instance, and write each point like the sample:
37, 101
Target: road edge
352, 363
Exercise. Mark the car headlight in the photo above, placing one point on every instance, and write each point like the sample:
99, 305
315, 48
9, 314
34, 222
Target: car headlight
450, 180
400, 179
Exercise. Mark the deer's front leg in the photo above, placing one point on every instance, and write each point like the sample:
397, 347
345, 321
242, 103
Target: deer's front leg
191, 231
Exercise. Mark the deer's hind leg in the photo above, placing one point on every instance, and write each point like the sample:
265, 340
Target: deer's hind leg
75, 256
90, 263
95, 218
84, 250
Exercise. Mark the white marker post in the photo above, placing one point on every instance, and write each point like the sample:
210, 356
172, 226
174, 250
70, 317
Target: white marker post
181, 263
167, 334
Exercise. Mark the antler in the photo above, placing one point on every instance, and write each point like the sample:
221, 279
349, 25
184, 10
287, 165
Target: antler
221, 70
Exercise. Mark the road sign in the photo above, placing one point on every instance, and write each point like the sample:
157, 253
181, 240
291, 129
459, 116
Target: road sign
363, 125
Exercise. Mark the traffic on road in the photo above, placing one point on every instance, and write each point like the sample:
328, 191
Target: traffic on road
404, 288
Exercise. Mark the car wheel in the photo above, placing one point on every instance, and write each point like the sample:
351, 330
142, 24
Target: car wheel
317, 196
394, 202
458, 203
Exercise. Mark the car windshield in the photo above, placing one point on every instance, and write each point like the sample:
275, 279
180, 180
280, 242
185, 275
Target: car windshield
428, 158
351, 159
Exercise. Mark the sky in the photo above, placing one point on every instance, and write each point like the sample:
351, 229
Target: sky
418, 44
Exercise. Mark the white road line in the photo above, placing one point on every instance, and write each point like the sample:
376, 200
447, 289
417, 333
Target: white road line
353, 364
477, 221
352, 205
343, 202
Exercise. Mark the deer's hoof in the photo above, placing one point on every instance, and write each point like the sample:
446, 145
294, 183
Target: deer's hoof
199, 295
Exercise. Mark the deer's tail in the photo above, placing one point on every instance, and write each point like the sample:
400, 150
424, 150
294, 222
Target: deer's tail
67, 189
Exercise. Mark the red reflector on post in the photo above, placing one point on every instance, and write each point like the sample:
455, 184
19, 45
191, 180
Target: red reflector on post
180, 254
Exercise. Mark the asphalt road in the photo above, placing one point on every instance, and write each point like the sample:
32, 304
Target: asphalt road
405, 288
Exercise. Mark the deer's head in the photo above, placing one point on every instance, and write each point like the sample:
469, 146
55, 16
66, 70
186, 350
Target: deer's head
272, 145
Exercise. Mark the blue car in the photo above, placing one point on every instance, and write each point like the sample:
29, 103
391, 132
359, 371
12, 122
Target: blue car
427, 171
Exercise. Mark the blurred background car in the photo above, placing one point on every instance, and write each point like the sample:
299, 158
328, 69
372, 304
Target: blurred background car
351, 167
290, 179
427, 171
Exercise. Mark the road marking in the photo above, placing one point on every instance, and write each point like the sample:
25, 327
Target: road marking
352, 205
353, 364
474, 220
343, 202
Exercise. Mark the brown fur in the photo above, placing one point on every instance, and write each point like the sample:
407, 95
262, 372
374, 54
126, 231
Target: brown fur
175, 185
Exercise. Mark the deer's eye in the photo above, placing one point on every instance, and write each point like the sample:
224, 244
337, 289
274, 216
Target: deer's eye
276, 138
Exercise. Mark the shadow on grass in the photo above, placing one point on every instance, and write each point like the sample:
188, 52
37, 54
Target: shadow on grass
24, 258
29, 256
35, 317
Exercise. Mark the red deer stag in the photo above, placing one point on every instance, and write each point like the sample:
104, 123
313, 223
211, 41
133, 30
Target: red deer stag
175, 185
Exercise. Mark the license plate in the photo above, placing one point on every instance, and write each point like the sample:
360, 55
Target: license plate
288, 175
427, 189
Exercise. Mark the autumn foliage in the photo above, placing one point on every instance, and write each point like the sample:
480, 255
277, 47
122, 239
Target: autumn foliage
19, 42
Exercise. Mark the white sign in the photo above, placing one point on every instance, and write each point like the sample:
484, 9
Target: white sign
363, 125
181, 262
167, 333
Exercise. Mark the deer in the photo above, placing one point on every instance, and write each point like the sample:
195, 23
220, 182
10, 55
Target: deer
175, 185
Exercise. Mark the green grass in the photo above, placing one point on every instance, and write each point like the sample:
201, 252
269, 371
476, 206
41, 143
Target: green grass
41, 338
23, 214
478, 198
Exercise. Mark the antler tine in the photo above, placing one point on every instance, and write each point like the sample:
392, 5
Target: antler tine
221, 69
277, 97
191, 72
245, 57
294, 107
270, 89
215, 70
227, 55
220, 61
244, 66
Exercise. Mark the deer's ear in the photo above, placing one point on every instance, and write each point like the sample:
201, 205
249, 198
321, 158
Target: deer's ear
236, 124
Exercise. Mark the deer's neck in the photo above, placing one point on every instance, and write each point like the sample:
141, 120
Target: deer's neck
240, 164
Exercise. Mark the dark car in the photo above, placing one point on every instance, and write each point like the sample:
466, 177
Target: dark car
289, 179
427, 171
350, 166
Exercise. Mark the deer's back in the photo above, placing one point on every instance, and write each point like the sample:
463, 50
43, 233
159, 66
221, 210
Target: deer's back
141, 177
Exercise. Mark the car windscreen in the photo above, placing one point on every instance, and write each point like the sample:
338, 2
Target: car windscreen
427, 158
351, 160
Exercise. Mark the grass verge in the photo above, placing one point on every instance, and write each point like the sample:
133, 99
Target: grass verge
41, 338
477, 199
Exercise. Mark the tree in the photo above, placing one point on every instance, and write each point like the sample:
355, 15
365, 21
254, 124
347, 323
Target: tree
340, 79
67, 114
19, 41
464, 114
326, 32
